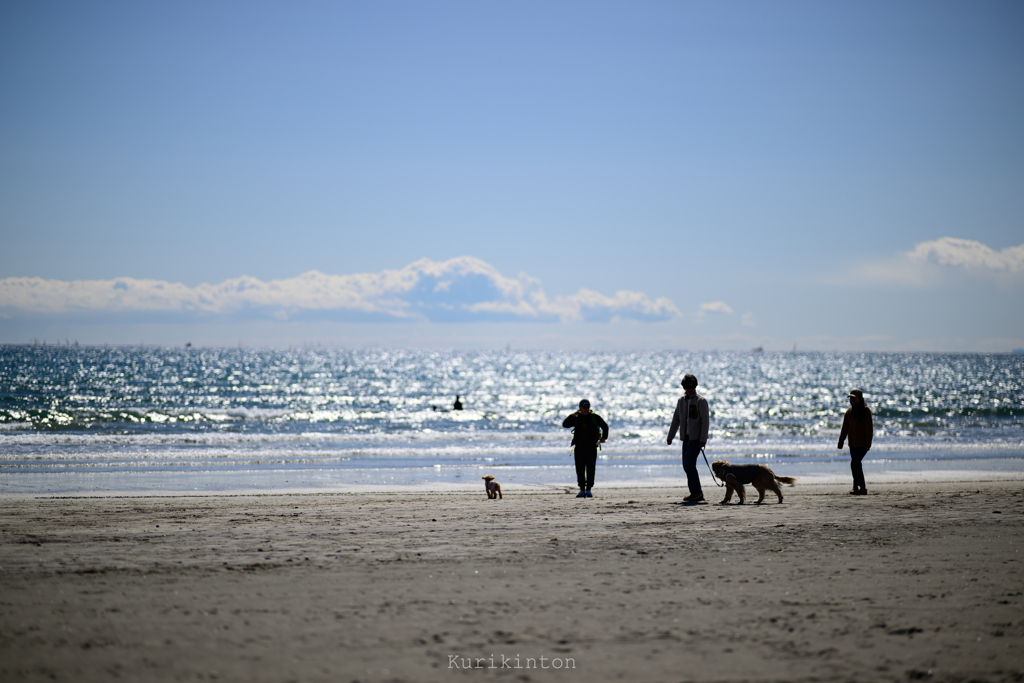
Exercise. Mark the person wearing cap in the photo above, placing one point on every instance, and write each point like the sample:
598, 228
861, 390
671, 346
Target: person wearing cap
858, 428
589, 430
691, 420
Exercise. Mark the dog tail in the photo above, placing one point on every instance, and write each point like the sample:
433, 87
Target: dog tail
788, 481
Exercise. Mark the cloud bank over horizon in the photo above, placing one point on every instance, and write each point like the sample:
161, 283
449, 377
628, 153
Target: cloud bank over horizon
463, 289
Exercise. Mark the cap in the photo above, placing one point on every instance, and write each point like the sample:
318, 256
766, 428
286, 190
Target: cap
857, 392
584, 403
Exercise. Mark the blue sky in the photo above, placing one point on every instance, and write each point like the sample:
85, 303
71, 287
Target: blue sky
835, 175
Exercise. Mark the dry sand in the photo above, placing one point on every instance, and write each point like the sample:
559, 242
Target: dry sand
913, 582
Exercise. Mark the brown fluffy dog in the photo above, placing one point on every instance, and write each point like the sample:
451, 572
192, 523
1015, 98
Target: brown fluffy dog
759, 476
493, 488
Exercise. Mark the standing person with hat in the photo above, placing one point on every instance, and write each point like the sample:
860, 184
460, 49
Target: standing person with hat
857, 426
691, 420
589, 430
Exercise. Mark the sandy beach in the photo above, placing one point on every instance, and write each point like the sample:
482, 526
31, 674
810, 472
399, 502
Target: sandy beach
913, 582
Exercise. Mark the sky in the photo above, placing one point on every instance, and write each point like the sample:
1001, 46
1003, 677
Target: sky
592, 175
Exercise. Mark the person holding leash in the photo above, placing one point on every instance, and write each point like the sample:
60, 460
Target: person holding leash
589, 430
691, 420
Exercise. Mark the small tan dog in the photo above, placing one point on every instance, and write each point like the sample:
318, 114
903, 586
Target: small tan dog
493, 488
759, 476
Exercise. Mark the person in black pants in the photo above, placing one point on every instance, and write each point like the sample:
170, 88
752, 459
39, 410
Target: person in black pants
691, 420
589, 430
857, 426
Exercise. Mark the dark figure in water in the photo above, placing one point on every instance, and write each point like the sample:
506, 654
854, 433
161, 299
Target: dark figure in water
458, 404
588, 431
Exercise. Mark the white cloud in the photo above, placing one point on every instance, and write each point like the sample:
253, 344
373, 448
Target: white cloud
748, 320
715, 307
463, 289
932, 263
961, 253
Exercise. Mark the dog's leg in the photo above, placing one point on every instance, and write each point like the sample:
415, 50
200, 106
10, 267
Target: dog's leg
499, 493
735, 483
760, 490
778, 491
728, 493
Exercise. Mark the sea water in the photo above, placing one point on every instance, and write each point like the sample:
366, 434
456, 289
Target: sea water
80, 420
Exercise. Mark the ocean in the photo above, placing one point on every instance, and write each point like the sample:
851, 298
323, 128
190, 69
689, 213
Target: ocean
156, 420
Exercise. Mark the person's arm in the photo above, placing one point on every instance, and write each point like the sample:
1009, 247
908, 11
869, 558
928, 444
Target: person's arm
705, 421
569, 421
675, 423
845, 430
604, 428
871, 430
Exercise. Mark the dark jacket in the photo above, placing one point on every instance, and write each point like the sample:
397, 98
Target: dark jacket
859, 430
588, 429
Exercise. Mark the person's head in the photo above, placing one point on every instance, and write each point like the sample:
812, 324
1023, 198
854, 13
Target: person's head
857, 398
584, 406
689, 383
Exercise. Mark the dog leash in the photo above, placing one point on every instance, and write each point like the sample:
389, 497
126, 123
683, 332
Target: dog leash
713, 477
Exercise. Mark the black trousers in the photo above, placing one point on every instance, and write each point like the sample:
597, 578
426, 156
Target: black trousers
586, 462
691, 451
856, 455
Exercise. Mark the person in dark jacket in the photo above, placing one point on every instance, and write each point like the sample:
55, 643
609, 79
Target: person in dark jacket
589, 430
858, 428
691, 419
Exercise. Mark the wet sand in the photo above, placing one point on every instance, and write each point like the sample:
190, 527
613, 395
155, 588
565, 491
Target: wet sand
913, 582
